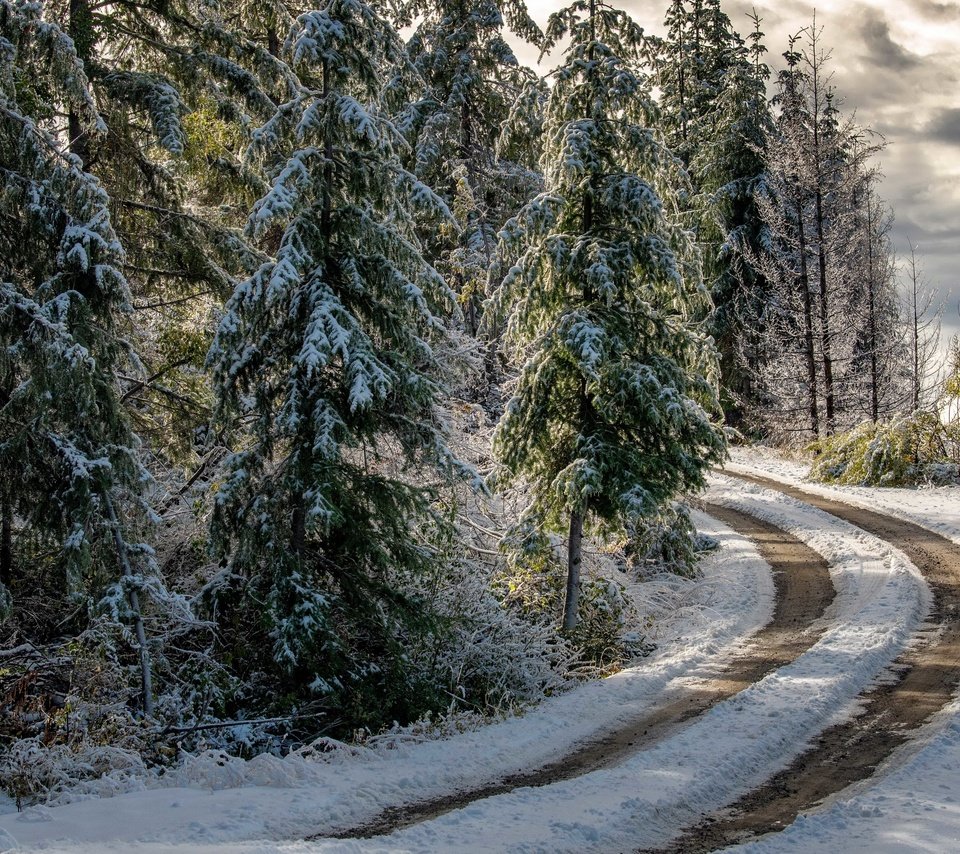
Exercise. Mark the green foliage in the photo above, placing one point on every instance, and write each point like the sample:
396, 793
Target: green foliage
905, 451
667, 542
327, 379
605, 302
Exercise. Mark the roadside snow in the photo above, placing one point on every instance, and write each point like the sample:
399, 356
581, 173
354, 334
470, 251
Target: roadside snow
913, 803
268, 798
641, 802
936, 508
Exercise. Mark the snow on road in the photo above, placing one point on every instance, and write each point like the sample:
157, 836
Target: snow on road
936, 508
286, 799
641, 802
913, 803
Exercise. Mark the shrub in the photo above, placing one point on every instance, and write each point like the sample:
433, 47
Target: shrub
905, 451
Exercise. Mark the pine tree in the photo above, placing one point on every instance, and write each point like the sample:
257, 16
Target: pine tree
715, 116
729, 169
327, 377
609, 419
71, 477
178, 87
471, 80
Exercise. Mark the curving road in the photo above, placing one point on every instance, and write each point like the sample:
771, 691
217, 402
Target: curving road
924, 679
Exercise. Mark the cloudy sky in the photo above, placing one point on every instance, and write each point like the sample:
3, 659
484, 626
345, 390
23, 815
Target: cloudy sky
896, 64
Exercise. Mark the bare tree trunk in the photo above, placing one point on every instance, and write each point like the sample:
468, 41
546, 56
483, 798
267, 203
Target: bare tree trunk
872, 308
808, 327
120, 545
6, 544
825, 348
915, 327
574, 562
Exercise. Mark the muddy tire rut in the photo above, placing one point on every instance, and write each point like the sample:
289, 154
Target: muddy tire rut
922, 681
803, 591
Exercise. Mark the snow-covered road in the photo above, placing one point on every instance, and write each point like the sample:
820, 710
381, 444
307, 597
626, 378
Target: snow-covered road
643, 801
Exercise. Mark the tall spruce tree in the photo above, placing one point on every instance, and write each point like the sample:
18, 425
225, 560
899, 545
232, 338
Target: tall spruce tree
714, 114
471, 79
326, 377
611, 415
71, 478
729, 170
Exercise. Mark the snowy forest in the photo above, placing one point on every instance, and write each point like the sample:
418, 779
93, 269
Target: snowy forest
348, 366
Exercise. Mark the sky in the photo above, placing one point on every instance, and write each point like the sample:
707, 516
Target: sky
896, 68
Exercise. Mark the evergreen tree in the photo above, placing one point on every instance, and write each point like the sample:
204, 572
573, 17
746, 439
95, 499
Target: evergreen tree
178, 86
730, 172
71, 477
715, 115
610, 414
326, 376
471, 80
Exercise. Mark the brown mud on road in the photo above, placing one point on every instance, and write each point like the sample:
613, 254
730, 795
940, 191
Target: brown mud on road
922, 680
803, 590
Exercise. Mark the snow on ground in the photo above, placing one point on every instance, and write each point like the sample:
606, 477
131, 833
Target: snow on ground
641, 802
268, 798
936, 508
913, 803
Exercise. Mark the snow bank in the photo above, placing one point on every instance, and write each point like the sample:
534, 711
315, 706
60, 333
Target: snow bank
269, 798
936, 508
912, 804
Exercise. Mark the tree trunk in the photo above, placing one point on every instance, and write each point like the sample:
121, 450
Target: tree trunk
825, 349
6, 544
146, 681
574, 561
808, 327
872, 308
6, 510
80, 28
298, 526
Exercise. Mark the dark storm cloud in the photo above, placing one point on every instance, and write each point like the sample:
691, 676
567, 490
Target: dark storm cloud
882, 50
944, 126
935, 11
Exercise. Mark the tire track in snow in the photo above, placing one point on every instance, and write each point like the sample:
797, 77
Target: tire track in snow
803, 592
923, 680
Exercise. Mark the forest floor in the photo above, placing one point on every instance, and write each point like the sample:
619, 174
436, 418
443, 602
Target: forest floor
813, 670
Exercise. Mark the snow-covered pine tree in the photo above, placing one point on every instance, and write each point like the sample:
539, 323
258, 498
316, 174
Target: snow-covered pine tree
728, 168
327, 379
70, 478
178, 86
714, 114
610, 418
471, 80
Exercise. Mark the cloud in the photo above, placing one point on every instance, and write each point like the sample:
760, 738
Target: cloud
882, 50
944, 126
933, 10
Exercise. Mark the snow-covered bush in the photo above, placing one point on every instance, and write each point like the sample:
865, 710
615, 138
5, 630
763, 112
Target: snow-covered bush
667, 542
905, 451
532, 584
482, 655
